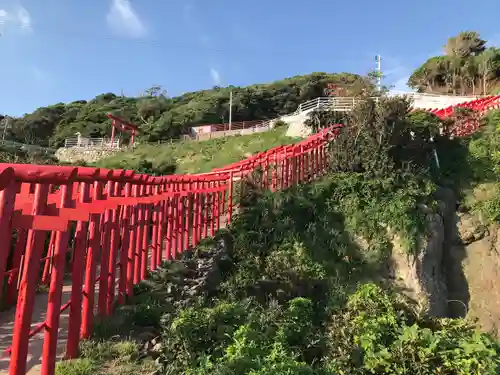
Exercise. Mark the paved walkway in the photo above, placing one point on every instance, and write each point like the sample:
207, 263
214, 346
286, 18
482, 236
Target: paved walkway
36, 342
34, 360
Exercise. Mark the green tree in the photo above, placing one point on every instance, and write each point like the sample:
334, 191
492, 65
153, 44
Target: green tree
465, 44
467, 67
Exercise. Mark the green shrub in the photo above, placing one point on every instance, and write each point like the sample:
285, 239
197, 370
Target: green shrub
378, 333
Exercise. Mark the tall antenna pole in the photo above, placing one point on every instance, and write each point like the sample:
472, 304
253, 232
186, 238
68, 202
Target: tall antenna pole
379, 73
230, 108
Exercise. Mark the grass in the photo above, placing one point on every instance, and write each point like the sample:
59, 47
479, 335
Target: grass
117, 342
196, 157
107, 356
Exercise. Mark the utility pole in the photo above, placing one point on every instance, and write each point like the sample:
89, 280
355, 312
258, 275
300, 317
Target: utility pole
5, 125
379, 73
230, 108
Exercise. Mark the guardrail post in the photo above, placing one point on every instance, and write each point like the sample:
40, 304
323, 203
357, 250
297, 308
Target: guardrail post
155, 229
113, 249
75, 309
138, 237
125, 246
274, 173
230, 198
206, 207
175, 220
107, 219
145, 229
161, 226
170, 213
7, 200
27, 287
189, 219
93, 248
199, 211
180, 222
55, 291
132, 243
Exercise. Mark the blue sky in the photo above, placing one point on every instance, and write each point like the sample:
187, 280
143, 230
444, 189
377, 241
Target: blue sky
64, 50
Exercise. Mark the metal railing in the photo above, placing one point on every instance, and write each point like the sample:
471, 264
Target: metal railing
341, 104
91, 142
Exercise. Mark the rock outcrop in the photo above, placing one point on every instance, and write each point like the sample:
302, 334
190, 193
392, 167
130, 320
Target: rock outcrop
195, 275
456, 270
419, 274
475, 265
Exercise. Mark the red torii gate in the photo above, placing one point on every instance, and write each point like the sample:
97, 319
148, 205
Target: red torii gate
123, 126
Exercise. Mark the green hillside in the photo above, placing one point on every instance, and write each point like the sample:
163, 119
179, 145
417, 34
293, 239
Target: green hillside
161, 117
195, 157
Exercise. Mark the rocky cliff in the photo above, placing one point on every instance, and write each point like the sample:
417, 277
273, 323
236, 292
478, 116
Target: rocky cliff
456, 271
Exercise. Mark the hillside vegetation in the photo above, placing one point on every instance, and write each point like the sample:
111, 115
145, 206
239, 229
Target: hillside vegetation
467, 67
160, 117
195, 157
288, 289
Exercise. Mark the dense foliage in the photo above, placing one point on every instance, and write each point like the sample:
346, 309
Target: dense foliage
484, 154
9, 154
161, 117
467, 67
381, 137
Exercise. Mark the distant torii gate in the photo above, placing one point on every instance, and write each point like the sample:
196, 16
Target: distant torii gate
123, 126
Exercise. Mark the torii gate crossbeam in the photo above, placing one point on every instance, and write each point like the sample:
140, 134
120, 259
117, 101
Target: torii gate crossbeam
123, 126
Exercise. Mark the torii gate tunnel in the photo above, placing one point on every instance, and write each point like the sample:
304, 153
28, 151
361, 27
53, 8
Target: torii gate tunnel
123, 126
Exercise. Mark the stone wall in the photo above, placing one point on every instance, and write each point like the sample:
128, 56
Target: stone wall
88, 155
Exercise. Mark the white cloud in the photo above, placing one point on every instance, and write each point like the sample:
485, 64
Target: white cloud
123, 19
17, 18
214, 73
24, 18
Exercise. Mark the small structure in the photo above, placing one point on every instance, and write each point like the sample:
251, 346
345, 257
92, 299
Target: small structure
123, 126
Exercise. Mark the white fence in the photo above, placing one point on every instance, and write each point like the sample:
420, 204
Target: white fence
91, 142
263, 126
340, 104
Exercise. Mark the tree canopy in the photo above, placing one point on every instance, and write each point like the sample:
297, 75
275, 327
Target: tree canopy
468, 67
161, 117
